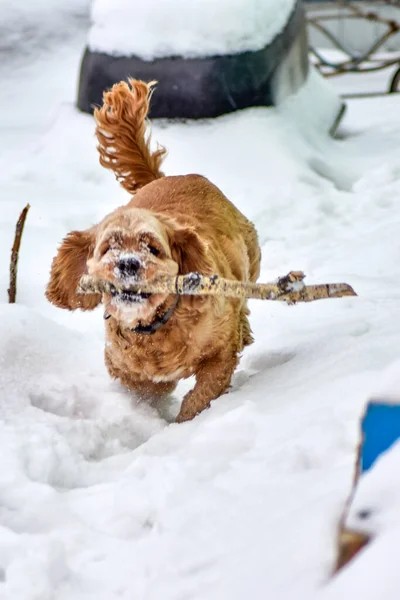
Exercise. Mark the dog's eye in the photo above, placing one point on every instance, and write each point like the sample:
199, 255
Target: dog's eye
153, 250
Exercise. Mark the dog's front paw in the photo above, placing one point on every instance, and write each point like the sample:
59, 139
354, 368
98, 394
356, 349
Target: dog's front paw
192, 405
185, 415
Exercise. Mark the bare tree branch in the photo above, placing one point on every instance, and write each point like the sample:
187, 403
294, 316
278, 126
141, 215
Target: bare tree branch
290, 289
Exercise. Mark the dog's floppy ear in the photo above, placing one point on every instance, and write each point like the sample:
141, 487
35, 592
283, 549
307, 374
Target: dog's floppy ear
68, 267
189, 251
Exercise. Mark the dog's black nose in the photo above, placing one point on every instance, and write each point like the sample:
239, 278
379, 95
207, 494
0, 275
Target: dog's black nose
128, 267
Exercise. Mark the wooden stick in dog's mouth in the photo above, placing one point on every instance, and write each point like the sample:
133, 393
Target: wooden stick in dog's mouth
290, 288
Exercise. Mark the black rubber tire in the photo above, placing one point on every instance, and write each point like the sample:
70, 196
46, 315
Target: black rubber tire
194, 88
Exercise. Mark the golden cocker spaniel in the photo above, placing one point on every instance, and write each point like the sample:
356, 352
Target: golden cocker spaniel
172, 225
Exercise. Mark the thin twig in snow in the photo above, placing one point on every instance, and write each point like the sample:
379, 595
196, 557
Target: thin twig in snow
12, 291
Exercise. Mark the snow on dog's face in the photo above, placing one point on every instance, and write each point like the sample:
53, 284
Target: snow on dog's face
132, 245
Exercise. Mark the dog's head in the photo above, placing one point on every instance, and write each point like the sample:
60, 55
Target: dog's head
128, 246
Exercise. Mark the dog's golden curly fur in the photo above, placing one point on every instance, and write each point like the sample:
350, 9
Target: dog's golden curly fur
172, 225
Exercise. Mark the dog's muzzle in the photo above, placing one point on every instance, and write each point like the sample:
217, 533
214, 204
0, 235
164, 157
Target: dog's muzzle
127, 271
128, 267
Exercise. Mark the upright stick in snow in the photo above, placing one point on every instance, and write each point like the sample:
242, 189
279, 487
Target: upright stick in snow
12, 291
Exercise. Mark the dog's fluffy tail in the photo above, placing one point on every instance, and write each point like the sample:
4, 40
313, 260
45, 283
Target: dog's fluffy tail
121, 132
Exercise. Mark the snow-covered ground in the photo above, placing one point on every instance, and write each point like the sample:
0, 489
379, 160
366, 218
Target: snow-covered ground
102, 498
39, 24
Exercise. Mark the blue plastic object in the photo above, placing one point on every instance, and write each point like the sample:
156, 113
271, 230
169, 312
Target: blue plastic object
381, 429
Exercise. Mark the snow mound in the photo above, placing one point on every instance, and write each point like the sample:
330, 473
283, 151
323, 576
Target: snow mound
374, 510
196, 28
60, 415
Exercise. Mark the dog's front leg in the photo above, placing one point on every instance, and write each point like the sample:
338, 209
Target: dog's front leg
212, 379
